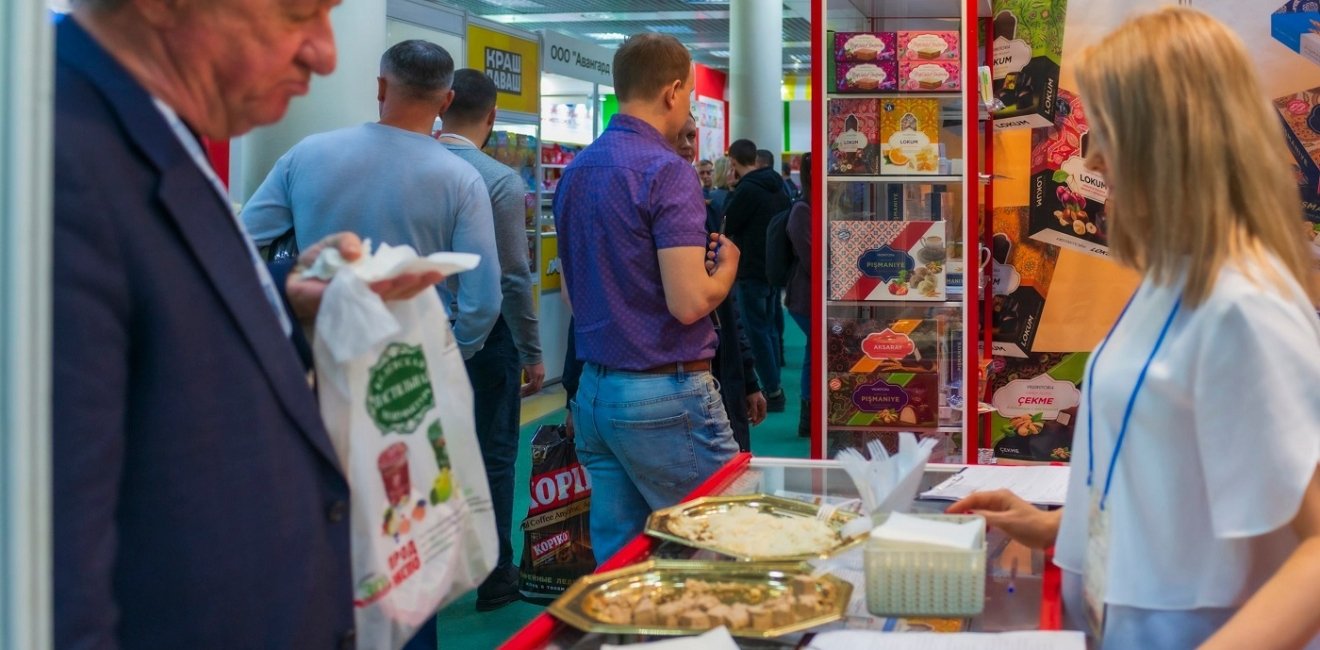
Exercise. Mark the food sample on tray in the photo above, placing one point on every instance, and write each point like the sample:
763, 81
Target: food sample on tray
750, 532
909, 136
864, 47
918, 45
887, 260
698, 604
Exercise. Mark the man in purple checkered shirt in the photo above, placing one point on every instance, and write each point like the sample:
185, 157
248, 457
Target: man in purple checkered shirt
643, 276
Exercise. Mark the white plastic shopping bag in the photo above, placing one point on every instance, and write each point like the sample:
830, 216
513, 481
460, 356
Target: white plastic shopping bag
396, 400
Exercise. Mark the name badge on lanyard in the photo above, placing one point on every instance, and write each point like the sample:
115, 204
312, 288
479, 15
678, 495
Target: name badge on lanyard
1095, 572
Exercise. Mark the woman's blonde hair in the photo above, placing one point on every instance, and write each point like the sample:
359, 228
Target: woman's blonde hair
721, 173
1194, 154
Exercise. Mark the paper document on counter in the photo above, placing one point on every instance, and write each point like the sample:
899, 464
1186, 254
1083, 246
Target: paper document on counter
1043, 485
868, 640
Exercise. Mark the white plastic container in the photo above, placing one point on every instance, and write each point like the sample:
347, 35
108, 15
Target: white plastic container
904, 579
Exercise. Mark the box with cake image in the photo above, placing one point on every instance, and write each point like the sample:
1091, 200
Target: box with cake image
887, 260
1028, 49
929, 76
1036, 400
883, 399
1021, 274
864, 345
876, 76
929, 45
909, 136
854, 137
1067, 199
865, 47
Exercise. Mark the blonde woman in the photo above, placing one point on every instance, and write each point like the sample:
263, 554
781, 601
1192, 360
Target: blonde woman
1193, 516
720, 196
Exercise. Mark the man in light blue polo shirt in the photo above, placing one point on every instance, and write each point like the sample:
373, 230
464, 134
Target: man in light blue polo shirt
650, 425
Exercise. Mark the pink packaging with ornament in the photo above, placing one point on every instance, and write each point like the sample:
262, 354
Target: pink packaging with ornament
864, 47
866, 77
929, 76
929, 46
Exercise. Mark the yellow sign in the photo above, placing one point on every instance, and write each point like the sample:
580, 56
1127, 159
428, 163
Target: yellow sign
513, 63
550, 276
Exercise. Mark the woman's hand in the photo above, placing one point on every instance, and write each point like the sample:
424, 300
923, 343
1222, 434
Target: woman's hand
305, 293
1006, 511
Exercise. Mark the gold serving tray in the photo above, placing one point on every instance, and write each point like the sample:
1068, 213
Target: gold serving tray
584, 603
658, 525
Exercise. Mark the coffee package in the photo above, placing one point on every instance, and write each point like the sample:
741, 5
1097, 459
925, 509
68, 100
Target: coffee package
556, 532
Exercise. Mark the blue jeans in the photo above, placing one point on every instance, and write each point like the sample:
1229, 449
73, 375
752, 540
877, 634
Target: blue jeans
646, 442
756, 299
495, 375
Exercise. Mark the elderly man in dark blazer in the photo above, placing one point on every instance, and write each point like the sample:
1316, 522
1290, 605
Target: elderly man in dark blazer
198, 502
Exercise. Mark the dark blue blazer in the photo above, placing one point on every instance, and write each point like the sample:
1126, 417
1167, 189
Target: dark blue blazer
198, 502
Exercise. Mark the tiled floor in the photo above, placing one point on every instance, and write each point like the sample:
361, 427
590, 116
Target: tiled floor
463, 628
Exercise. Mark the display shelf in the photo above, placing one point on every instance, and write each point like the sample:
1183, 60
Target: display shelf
891, 303
930, 180
917, 358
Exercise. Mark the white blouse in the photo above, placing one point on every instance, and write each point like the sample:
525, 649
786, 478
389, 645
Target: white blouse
1223, 439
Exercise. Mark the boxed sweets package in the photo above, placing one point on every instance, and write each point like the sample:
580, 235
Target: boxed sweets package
929, 76
1037, 400
864, 47
876, 76
883, 399
887, 260
864, 346
929, 46
854, 136
1028, 47
1297, 25
1067, 199
1300, 113
1021, 273
909, 136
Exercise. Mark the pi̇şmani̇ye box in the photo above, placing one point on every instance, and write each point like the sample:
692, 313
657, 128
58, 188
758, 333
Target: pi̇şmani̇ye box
1028, 49
909, 136
1067, 199
884, 399
854, 137
888, 260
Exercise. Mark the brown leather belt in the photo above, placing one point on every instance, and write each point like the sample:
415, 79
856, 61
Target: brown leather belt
702, 365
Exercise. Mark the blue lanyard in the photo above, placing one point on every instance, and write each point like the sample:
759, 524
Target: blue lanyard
1132, 401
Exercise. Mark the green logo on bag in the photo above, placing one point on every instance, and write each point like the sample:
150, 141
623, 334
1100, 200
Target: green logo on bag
399, 389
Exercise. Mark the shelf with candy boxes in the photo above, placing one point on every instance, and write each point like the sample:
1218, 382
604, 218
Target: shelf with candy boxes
888, 135
905, 61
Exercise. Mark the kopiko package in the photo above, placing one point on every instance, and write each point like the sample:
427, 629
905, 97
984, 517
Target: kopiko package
1028, 46
556, 532
1037, 399
887, 260
854, 132
1067, 199
884, 399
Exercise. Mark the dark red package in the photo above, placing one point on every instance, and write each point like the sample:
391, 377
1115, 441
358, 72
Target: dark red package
556, 532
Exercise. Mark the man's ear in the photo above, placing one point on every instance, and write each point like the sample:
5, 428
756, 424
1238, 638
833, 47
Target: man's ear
673, 92
490, 119
380, 88
444, 104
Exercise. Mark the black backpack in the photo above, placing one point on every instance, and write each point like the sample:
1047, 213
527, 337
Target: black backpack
779, 256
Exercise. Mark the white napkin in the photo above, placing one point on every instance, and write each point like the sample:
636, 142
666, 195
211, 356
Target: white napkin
391, 261
916, 530
716, 639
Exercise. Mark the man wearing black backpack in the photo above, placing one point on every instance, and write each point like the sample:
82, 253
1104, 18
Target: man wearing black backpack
758, 197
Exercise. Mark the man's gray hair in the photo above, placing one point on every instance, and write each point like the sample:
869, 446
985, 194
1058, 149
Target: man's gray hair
421, 67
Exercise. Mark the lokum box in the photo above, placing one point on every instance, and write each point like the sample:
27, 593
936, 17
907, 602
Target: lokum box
872, 77
865, 47
909, 136
1021, 273
1301, 120
867, 345
891, 399
1297, 25
929, 46
887, 260
1067, 199
929, 76
854, 136
1036, 400
1028, 47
